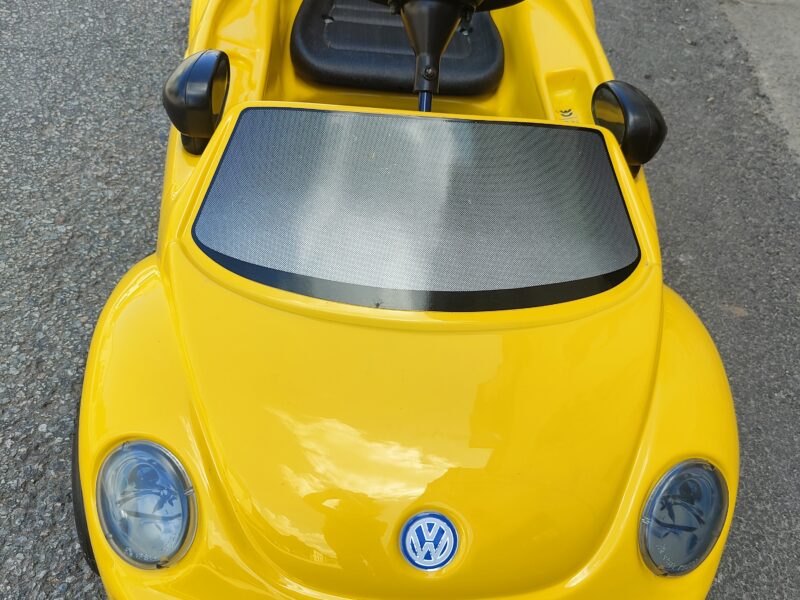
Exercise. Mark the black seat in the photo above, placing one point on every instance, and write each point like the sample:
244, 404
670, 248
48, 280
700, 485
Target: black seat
360, 44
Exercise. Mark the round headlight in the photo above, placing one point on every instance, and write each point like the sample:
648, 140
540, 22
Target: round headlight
146, 504
683, 518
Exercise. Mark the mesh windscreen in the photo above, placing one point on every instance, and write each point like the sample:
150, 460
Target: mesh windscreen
410, 203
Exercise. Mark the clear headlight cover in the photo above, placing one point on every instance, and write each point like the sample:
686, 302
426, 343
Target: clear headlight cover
683, 518
146, 504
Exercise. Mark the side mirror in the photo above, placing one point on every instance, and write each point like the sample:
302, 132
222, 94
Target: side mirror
194, 97
632, 117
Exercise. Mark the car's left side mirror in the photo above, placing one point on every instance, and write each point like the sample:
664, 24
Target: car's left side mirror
632, 117
194, 97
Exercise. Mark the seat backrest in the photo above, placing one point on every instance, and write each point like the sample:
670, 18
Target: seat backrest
360, 44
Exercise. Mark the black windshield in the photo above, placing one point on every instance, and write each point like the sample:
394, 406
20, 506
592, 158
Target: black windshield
417, 213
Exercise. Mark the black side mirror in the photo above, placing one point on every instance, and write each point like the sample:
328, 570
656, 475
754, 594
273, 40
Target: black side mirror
194, 97
632, 117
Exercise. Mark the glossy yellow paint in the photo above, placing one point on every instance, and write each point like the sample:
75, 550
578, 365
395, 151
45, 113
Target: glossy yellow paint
312, 430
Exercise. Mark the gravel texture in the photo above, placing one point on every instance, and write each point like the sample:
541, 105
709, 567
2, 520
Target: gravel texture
81, 157
82, 138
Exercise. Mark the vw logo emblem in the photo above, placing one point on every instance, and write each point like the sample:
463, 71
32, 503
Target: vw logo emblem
429, 541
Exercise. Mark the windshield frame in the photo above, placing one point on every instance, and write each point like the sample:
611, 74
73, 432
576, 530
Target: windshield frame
417, 300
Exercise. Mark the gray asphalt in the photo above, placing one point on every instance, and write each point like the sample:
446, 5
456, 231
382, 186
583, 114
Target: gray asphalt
82, 137
768, 29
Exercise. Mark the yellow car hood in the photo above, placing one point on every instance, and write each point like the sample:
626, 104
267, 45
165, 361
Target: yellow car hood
327, 435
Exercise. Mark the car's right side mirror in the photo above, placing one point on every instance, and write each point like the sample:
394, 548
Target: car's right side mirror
632, 117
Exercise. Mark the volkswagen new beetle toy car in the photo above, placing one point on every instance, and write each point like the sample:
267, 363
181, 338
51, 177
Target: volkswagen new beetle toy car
403, 346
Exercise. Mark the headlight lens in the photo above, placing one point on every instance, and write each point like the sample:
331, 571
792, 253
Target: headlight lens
146, 504
683, 518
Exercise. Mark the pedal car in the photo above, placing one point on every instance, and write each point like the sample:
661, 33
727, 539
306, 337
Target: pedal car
405, 333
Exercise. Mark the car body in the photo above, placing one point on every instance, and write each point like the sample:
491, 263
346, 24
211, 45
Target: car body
315, 430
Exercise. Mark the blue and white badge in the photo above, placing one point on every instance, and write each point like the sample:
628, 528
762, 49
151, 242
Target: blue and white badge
429, 541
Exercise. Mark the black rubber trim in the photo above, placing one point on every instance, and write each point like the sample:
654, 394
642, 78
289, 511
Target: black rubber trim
416, 300
78, 508
420, 300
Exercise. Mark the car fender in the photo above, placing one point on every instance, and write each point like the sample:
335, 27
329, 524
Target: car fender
691, 416
138, 385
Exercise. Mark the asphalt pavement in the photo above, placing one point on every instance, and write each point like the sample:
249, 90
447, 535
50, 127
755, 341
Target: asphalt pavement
82, 138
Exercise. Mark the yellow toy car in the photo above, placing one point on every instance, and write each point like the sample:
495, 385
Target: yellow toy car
385, 352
